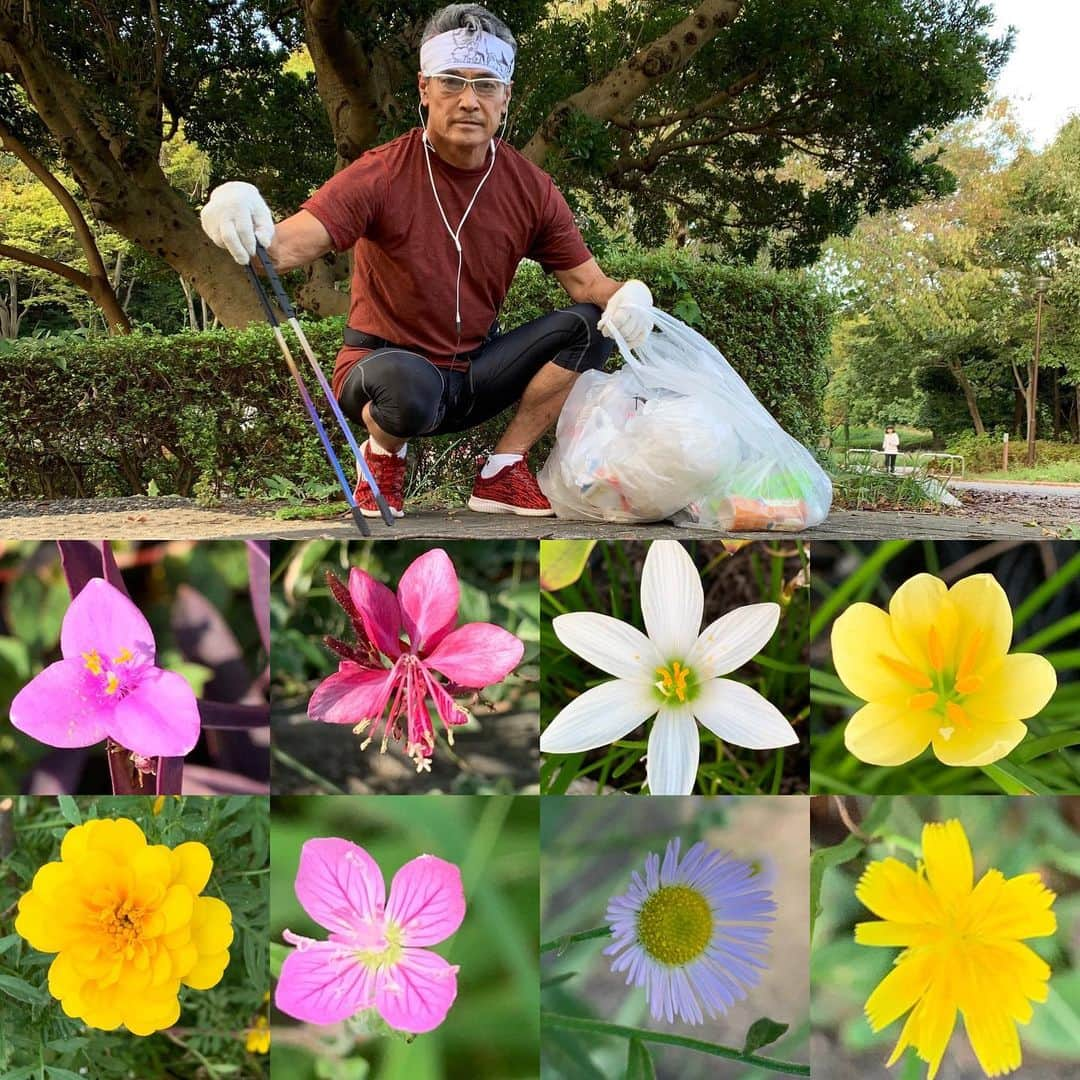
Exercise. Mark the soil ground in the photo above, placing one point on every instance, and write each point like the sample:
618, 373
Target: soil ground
986, 513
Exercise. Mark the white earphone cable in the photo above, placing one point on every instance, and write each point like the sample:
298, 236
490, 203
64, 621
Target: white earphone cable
455, 236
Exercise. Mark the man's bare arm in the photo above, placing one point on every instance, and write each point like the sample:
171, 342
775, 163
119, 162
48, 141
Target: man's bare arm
298, 240
588, 284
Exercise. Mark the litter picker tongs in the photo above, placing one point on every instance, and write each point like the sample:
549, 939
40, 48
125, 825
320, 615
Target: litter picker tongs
298, 330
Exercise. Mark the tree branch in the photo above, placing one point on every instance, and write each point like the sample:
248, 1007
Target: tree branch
31, 258
629, 80
700, 110
97, 282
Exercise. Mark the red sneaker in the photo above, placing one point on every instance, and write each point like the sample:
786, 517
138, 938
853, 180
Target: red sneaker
389, 473
512, 490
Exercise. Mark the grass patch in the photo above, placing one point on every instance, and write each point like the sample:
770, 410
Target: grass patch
1056, 472
857, 489
870, 438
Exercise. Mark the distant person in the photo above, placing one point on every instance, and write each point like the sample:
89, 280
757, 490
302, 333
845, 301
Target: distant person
891, 445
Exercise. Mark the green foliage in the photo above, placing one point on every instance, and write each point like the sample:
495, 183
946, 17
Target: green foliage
216, 414
492, 1027
610, 585
983, 453
1044, 596
209, 1040
1015, 836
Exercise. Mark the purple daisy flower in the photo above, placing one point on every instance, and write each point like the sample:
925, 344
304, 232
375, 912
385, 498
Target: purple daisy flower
692, 933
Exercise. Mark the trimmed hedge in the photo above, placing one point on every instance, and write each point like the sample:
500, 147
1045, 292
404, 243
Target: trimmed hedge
216, 413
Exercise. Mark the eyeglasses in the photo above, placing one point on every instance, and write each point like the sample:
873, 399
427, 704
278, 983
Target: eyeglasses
454, 85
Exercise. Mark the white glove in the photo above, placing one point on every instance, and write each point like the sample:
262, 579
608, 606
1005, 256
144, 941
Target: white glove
235, 216
630, 312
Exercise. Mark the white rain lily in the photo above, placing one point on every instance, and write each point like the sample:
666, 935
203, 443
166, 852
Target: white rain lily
674, 673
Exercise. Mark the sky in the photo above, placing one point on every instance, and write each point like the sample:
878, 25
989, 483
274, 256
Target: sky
1042, 76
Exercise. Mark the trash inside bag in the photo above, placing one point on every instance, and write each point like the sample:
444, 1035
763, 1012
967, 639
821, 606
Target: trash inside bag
676, 433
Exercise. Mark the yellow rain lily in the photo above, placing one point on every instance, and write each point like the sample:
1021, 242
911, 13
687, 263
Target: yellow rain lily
935, 668
962, 950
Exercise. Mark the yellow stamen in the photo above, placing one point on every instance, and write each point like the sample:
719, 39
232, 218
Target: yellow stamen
970, 656
673, 681
909, 674
957, 716
112, 684
93, 662
925, 700
935, 650
123, 657
969, 685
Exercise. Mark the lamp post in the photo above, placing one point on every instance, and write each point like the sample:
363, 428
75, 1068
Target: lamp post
1042, 283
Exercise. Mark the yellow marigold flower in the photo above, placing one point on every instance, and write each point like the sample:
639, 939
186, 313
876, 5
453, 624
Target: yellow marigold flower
962, 950
127, 924
258, 1036
936, 669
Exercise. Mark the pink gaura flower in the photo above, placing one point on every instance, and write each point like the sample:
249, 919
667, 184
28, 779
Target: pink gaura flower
426, 607
107, 684
376, 955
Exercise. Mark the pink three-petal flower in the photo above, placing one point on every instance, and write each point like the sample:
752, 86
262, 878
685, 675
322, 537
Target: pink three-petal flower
107, 684
375, 956
426, 607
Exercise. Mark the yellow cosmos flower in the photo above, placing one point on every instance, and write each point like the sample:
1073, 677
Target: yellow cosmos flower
127, 924
936, 669
962, 950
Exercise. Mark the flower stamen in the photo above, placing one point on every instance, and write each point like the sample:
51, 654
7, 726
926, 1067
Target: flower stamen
673, 680
919, 679
935, 650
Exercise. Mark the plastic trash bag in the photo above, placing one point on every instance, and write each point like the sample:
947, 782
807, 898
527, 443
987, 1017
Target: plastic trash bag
676, 433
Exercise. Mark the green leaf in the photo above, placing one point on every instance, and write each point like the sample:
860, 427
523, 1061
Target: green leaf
62, 1074
639, 1063
69, 808
562, 562
761, 1033
1013, 780
278, 952
1055, 1028
22, 991
820, 861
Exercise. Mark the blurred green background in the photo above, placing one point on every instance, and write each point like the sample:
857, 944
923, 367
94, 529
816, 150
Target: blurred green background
733, 573
491, 1032
1042, 582
494, 754
38, 1040
589, 848
1014, 835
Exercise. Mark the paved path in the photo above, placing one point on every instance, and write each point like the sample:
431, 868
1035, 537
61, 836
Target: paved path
141, 518
1016, 487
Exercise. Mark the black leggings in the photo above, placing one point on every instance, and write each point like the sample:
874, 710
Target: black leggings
890, 463
410, 396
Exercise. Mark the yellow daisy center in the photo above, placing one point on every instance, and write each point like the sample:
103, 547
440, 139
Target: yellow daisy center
675, 924
374, 959
676, 681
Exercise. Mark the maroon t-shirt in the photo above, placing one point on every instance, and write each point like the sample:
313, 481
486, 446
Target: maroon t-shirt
404, 262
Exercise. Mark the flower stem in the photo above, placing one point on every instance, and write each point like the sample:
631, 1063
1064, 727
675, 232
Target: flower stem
599, 1027
562, 943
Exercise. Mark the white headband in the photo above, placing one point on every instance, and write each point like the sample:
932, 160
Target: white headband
464, 48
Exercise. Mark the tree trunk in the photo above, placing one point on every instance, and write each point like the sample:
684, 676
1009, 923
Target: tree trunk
121, 176
10, 315
969, 395
1057, 403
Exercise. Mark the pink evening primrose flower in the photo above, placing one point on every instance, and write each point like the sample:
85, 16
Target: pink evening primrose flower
375, 956
107, 684
426, 607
